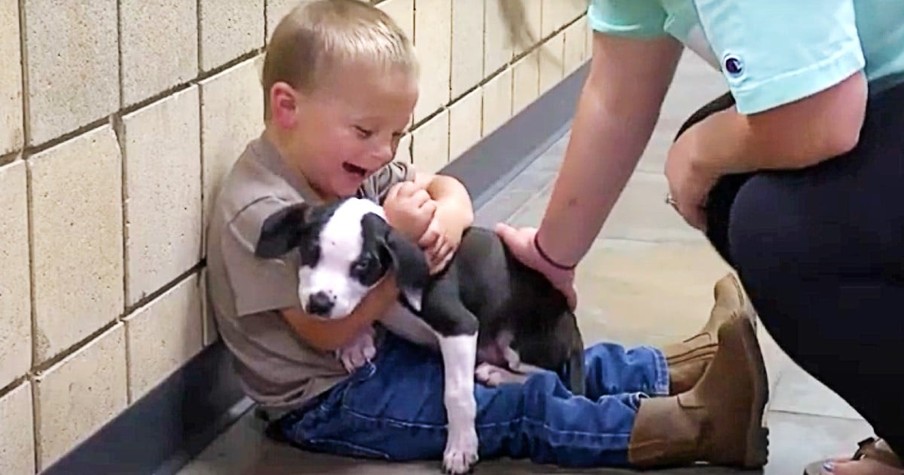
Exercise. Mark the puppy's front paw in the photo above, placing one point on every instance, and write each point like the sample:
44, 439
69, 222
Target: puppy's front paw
358, 352
461, 452
494, 376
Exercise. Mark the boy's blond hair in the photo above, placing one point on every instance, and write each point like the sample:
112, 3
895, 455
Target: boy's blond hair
316, 38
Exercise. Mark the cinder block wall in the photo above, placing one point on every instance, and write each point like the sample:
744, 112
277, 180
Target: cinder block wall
118, 119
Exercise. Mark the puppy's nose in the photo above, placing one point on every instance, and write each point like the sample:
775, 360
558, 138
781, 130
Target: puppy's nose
320, 304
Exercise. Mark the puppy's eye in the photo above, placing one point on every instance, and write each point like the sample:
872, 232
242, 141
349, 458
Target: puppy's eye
363, 264
367, 270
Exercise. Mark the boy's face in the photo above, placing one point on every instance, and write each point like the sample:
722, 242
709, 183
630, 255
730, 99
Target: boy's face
349, 127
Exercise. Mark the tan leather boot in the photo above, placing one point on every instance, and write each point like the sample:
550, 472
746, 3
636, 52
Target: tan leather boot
718, 421
687, 360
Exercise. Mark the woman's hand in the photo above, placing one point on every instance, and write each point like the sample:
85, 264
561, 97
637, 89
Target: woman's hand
521, 243
689, 181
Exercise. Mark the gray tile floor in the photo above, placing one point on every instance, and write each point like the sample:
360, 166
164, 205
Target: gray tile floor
648, 279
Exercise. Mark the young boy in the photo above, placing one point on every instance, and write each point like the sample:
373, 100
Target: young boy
340, 81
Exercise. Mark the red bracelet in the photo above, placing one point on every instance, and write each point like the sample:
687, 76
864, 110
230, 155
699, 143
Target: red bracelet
546, 256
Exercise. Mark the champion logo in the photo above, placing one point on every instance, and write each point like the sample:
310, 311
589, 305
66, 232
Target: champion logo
733, 65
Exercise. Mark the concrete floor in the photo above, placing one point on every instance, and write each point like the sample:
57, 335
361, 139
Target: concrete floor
648, 279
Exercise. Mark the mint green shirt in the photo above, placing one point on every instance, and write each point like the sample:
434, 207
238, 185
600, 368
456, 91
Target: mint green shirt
772, 52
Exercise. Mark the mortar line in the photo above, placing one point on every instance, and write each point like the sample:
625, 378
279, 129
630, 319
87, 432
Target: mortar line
9, 158
122, 89
23, 60
29, 212
200, 36
118, 126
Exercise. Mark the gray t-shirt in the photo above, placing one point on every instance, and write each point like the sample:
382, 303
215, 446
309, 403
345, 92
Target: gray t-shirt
276, 368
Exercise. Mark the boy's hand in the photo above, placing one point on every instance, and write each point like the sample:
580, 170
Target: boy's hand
409, 209
439, 245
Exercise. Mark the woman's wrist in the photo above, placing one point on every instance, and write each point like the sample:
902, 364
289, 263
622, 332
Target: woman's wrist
550, 259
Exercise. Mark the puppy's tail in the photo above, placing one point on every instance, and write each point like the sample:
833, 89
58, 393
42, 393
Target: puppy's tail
576, 366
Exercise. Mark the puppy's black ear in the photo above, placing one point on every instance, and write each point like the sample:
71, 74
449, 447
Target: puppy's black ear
281, 231
406, 259
410, 265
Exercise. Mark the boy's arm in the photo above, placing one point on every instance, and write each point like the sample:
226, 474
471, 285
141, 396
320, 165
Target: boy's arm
454, 209
329, 335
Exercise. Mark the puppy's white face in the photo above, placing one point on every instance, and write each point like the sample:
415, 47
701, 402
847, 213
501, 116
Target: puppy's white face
341, 262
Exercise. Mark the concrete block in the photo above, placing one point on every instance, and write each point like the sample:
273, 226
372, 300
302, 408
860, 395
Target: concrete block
430, 144
159, 46
533, 11
76, 213
467, 45
17, 437
552, 62
229, 29
526, 81
402, 12
497, 43
232, 110
15, 279
163, 335
80, 394
276, 10
465, 123
575, 45
11, 133
497, 101
163, 185
433, 42
558, 13
70, 87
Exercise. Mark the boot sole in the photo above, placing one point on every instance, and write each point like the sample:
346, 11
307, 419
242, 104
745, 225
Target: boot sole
757, 441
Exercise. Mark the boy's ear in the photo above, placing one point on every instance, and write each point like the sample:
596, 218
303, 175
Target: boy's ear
406, 259
281, 231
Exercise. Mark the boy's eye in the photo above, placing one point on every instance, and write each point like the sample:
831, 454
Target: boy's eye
363, 132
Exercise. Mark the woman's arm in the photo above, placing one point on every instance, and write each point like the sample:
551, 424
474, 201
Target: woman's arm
617, 111
795, 135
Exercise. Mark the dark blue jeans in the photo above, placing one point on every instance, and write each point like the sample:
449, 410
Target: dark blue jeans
392, 409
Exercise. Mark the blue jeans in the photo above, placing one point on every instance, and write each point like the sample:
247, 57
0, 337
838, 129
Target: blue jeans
392, 409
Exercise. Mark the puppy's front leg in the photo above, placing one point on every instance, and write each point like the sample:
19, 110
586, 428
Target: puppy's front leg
459, 357
359, 351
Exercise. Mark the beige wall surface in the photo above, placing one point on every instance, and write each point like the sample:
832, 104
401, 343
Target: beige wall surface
118, 119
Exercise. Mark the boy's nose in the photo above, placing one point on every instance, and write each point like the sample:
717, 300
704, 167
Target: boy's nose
384, 153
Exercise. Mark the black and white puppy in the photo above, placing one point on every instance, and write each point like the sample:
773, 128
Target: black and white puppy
485, 306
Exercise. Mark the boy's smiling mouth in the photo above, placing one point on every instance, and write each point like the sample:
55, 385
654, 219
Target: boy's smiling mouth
354, 169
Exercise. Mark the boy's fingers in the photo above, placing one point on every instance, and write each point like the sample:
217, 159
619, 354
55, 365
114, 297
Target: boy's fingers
429, 239
429, 208
405, 188
420, 197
